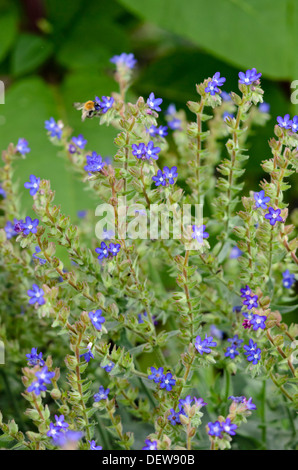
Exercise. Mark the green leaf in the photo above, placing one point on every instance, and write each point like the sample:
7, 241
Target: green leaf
8, 30
255, 33
30, 52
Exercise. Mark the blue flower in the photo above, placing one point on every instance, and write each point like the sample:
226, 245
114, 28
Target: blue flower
167, 382
54, 432
246, 291
254, 357
225, 96
109, 366
9, 230
235, 252
114, 248
139, 150
294, 125
106, 103
159, 178
151, 151
45, 376
94, 163
199, 233
152, 131
171, 110
249, 77
53, 128
284, 122
187, 401
81, 214
60, 422
175, 124
258, 321
156, 374
261, 199
68, 439
218, 80
162, 131
124, 60
93, 446
35, 358
174, 417
212, 88
36, 295
251, 348
150, 445
87, 355
264, 107
22, 146
237, 399
102, 251
29, 226
235, 341
273, 216
288, 279
229, 427
251, 302
153, 102
2, 192
231, 352
33, 185
102, 394
215, 429
97, 319
216, 332
204, 345
37, 387
79, 141
249, 404
170, 174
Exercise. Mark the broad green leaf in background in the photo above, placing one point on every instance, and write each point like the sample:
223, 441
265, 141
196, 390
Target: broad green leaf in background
30, 52
245, 33
8, 31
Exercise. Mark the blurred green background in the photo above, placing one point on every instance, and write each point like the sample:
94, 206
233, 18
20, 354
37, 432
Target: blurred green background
53, 53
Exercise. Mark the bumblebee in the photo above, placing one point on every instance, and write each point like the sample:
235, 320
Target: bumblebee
88, 109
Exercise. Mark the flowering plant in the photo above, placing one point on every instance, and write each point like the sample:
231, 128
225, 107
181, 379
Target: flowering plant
139, 341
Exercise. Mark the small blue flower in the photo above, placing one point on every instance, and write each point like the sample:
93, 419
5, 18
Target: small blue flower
249, 404
97, 319
229, 427
246, 291
55, 432
35, 358
284, 122
33, 185
215, 429
261, 199
45, 376
254, 357
150, 445
81, 214
249, 77
204, 345
175, 124
124, 60
114, 248
153, 102
9, 229
38, 250
60, 422
36, 295
68, 439
93, 446
88, 355
212, 88
185, 401
156, 374
170, 173
37, 387
94, 163
264, 107
216, 332
227, 115
225, 96
218, 80
29, 226
159, 178
294, 125
258, 321
2, 192
53, 128
162, 131
106, 103
171, 110
251, 302
139, 150
151, 151
174, 417
250, 348
167, 382
199, 233
79, 141
22, 146
231, 352
288, 279
103, 251
102, 394
235, 252
235, 341
109, 366
273, 216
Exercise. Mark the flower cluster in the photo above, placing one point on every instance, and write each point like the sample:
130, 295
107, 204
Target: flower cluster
288, 279
232, 351
95, 163
145, 152
252, 352
105, 251
54, 128
35, 358
217, 428
44, 377
102, 394
103, 104
165, 380
287, 123
166, 176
